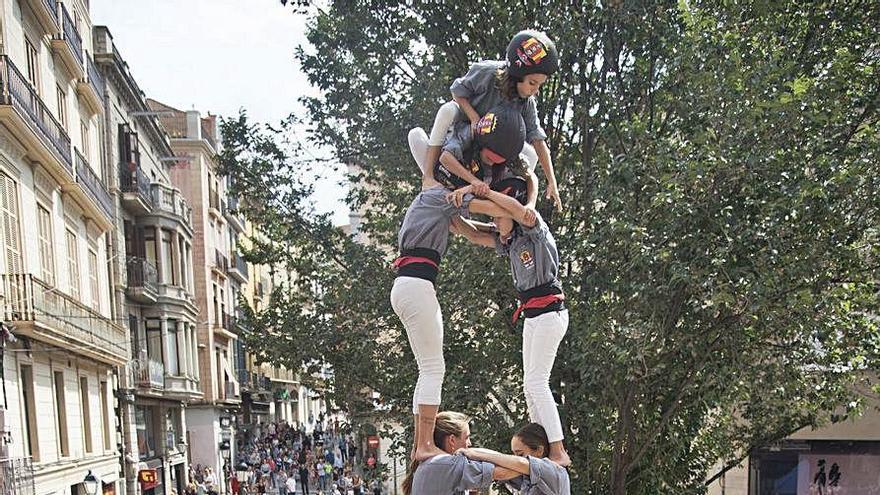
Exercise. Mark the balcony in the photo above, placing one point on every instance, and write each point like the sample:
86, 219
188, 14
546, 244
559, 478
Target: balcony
135, 187
67, 44
46, 12
182, 388
91, 87
149, 374
89, 192
17, 476
233, 214
238, 269
41, 312
215, 206
142, 280
170, 201
30, 122
221, 263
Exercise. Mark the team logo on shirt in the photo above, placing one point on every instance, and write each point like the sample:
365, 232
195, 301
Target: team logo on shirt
527, 259
486, 124
531, 52
475, 166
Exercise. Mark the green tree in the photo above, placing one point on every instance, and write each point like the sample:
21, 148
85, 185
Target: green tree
719, 244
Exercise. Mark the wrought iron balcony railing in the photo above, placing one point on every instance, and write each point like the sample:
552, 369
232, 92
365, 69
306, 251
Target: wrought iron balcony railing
19, 93
141, 274
134, 181
149, 373
71, 35
86, 177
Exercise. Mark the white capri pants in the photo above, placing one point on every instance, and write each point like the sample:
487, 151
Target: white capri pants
419, 140
415, 302
541, 337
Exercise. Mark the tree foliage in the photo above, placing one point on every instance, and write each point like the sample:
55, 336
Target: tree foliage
719, 242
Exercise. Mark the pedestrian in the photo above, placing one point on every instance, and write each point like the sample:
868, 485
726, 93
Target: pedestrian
290, 483
304, 478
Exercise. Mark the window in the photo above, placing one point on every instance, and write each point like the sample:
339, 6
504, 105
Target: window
85, 139
29, 406
62, 107
105, 415
73, 264
150, 248
33, 65
86, 413
10, 231
61, 413
47, 258
93, 280
145, 434
169, 270
173, 357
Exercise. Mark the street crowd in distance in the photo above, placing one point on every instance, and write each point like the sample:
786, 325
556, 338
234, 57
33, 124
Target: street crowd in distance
280, 459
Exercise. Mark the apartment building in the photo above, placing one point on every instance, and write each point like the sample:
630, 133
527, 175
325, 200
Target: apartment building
154, 286
63, 339
210, 420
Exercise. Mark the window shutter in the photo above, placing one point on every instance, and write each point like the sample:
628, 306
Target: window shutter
11, 233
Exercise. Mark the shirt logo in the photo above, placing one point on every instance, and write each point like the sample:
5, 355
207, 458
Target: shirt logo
486, 124
530, 52
527, 260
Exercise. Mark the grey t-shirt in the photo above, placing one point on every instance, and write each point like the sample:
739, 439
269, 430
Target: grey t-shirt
545, 478
534, 259
426, 224
450, 475
478, 86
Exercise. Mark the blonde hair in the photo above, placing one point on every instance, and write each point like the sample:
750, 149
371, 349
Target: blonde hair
448, 423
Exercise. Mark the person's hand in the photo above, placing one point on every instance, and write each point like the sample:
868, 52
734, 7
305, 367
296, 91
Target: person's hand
480, 189
457, 197
553, 193
531, 215
465, 452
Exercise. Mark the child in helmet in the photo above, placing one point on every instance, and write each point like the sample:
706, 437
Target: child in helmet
531, 59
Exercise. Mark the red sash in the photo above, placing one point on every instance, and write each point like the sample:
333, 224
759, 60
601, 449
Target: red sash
537, 302
407, 260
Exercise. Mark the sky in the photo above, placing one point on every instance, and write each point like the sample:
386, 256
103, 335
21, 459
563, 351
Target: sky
219, 56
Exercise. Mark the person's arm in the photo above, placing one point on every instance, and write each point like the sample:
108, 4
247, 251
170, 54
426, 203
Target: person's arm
453, 165
547, 166
515, 463
465, 105
472, 233
531, 191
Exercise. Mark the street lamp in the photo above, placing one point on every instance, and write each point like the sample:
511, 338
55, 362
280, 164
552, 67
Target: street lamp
90, 483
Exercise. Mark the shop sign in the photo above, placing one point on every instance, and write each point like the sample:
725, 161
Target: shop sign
373, 442
148, 478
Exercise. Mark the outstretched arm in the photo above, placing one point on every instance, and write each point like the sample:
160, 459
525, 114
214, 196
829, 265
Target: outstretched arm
453, 165
512, 208
472, 232
515, 463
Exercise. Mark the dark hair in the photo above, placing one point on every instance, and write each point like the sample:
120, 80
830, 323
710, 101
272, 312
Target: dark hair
534, 436
448, 423
506, 83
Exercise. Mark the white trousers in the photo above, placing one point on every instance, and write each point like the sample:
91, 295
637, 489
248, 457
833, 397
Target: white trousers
419, 140
541, 337
415, 303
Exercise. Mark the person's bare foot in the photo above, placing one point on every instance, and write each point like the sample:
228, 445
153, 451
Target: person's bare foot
425, 453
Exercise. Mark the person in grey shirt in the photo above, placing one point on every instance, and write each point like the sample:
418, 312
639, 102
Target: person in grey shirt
538, 475
534, 263
452, 473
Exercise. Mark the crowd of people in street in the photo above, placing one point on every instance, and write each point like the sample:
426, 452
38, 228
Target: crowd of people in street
280, 459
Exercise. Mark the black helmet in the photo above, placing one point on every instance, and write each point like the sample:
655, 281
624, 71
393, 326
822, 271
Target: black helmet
531, 52
502, 130
515, 187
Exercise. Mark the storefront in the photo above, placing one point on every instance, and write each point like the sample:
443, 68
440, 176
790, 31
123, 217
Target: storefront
816, 467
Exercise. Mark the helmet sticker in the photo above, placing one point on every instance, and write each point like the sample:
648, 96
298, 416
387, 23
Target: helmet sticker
530, 52
486, 124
